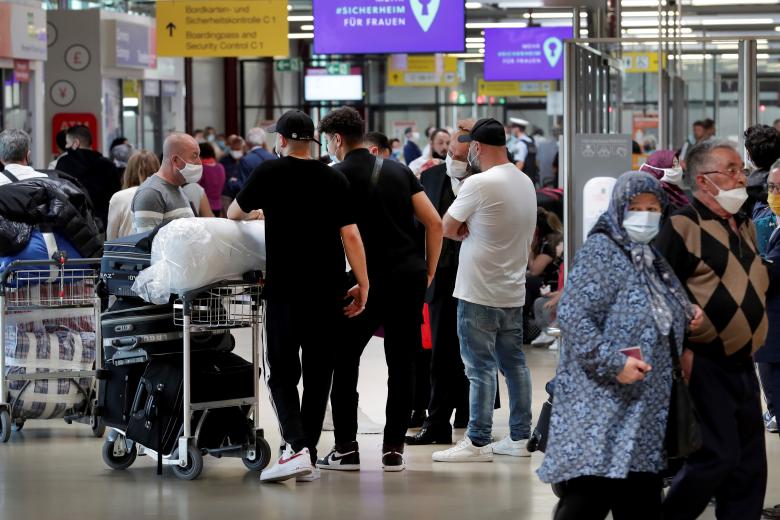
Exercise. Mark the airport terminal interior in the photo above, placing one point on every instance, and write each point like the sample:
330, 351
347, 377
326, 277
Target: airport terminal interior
216, 217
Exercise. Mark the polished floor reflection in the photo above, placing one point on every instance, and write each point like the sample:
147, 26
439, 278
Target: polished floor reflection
52, 470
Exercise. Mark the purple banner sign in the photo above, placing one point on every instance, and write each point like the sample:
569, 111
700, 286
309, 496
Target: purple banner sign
529, 54
388, 26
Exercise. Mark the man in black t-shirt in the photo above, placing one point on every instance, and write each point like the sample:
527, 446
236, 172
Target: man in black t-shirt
308, 215
386, 201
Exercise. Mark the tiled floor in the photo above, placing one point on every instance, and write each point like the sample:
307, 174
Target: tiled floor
52, 470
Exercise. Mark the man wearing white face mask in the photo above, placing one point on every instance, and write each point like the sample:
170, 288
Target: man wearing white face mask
160, 198
449, 386
711, 246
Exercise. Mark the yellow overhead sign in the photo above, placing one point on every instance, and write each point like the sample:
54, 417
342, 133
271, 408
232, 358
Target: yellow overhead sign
515, 88
222, 28
637, 62
432, 70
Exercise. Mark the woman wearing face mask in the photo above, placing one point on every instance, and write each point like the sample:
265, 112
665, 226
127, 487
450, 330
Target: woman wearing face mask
606, 439
664, 165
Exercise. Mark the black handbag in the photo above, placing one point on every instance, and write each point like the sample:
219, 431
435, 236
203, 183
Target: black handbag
683, 426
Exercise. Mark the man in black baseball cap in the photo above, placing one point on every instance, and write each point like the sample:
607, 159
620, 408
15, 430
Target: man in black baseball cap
296, 125
308, 214
494, 215
486, 131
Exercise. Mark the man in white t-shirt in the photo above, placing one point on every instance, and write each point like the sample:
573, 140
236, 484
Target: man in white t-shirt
495, 216
15, 155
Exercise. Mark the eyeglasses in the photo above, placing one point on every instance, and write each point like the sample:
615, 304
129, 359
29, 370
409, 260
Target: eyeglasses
731, 172
773, 188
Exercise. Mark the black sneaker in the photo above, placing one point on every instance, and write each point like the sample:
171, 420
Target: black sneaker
341, 458
418, 419
393, 461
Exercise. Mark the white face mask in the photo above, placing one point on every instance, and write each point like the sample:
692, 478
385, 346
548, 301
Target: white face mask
456, 169
191, 172
473, 158
642, 226
730, 200
671, 175
236, 154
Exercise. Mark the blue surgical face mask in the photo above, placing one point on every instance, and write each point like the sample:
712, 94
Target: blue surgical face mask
642, 226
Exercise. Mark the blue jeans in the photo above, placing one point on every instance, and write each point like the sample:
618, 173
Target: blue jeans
491, 338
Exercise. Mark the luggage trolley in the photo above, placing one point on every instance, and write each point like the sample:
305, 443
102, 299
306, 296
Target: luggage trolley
224, 305
50, 288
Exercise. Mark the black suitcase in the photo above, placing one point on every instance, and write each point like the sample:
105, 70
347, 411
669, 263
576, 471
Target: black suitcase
134, 330
117, 387
156, 418
123, 259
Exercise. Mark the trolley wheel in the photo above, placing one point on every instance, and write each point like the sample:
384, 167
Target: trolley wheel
5, 425
262, 456
18, 424
98, 428
194, 464
118, 462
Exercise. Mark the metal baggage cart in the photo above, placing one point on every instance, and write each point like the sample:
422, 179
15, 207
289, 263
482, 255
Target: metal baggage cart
49, 288
224, 305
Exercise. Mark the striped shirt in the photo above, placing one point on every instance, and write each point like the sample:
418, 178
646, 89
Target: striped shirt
158, 202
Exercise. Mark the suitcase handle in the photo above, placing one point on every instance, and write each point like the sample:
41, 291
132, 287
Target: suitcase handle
121, 266
126, 343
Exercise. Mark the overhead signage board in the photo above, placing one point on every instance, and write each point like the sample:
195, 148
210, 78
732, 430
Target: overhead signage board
422, 70
388, 26
639, 62
525, 54
136, 46
22, 32
227, 28
515, 88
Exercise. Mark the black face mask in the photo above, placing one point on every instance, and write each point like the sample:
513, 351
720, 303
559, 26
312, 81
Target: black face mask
436, 155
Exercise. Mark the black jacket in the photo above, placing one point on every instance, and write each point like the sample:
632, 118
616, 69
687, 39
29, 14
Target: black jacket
99, 176
434, 181
52, 203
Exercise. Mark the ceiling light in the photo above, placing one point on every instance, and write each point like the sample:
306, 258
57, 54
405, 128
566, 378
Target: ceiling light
732, 21
542, 16
528, 3
476, 39
640, 14
475, 45
654, 31
640, 3
303, 18
300, 36
702, 3
465, 55
497, 25
289, 7
777, 29
473, 5
307, 27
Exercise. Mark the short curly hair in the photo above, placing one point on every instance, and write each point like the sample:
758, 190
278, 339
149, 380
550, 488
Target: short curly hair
763, 144
345, 121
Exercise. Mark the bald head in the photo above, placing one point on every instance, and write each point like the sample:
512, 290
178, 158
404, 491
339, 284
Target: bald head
178, 150
460, 151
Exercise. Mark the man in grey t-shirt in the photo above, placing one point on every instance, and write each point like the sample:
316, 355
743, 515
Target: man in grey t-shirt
160, 198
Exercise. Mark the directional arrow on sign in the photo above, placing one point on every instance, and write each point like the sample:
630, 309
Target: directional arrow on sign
171, 26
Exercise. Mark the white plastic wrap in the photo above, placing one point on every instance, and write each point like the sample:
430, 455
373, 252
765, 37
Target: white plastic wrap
190, 253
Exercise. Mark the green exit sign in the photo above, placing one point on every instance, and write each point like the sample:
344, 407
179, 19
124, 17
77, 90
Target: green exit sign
288, 65
338, 69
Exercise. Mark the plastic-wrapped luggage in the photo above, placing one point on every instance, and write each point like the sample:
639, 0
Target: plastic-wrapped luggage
63, 341
190, 253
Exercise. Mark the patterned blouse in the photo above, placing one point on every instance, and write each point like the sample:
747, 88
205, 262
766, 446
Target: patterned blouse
600, 427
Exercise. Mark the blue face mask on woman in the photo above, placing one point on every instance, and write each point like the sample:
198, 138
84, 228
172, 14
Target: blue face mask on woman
642, 226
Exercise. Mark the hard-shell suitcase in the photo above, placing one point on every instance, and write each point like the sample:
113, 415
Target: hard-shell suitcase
156, 416
123, 259
134, 330
117, 387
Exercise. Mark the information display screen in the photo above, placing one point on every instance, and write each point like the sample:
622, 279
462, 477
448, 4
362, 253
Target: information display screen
527, 54
388, 26
321, 87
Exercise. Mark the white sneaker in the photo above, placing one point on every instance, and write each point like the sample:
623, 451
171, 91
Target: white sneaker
464, 451
542, 340
315, 474
366, 425
507, 446
327, 423
556, 345
290, 465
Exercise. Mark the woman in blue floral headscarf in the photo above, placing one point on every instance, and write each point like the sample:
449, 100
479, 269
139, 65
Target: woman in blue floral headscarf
621, 313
